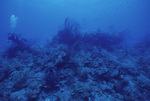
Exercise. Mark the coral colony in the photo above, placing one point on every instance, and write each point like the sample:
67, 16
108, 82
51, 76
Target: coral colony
75, 66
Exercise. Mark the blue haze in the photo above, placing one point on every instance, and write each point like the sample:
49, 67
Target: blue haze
41, 19
88, 57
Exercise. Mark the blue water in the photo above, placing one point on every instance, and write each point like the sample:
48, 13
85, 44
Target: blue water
41, 19
109, 36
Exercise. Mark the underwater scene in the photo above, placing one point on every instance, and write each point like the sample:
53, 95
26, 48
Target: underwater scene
74, 50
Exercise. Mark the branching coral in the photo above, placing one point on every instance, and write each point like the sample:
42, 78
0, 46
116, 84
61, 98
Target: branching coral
17, 44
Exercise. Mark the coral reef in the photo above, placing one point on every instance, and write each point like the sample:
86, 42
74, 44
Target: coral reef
75, 67
17, 44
